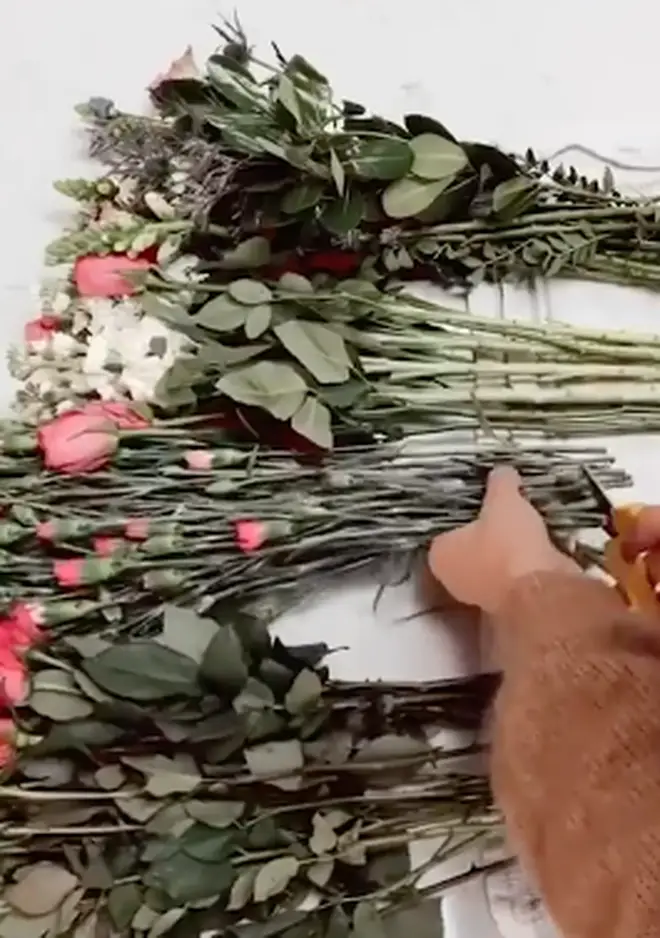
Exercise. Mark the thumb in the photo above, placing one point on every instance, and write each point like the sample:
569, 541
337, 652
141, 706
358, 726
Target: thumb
503, 485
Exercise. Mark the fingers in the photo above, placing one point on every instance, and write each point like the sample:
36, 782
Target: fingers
503, 485
644, 533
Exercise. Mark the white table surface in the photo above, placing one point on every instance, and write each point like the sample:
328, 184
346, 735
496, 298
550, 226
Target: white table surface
515, 73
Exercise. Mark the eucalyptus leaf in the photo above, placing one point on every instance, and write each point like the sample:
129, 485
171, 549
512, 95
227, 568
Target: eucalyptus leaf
258, 320
186, 633
345, 214
55, 695
253, 252
281, 758
242, 889
407, 197
143, 670
221, 314
513, 197
166, 775
436, 157
166, 922
218, 814
224, 665
304, 694
249, 292
186, 879
274, 386
274, 877
296, 283
314, 422
379, 158
123, 902
319, 348
41, 889
302, 197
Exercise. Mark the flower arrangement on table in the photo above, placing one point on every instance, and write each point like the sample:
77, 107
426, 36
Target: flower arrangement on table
215, 417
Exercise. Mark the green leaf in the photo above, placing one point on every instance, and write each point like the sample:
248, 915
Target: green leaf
186, 879
513, 197
242, 889
257, 320
143, 670
282, 758
287, 95
249, 292
254, 252
379, 158
296, 283
437, 158
317, 347
240, 90
320, 872
224, 665
314, 422
217, 814
274, 386
408, 197
165, 922
165, 775
41, 889
302, 197
339, 925
324, 839
274, 877
221, 314
186, 633
337, 170
390, 746
344, 215
304, 693
123, 902
56, 696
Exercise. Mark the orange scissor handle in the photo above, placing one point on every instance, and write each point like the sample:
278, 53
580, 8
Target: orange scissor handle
632, 577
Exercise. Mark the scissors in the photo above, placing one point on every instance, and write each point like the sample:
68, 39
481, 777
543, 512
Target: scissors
631, 576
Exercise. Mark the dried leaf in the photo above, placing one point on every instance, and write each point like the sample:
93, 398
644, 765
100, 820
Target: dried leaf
274, 877
274, 386
143, 670
42, 890
304, 693
282, 758
249, 292
242, 889
186, 633
319, 348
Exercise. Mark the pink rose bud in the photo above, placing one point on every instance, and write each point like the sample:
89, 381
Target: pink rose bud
124, 416
199, 459
46, 531
83, 571
75, 442
250, 535
25, 623
13, 678
38, 330
107, 546
105, 276
137, 529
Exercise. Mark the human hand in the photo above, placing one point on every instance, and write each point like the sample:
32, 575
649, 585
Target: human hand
642, 536
477, 564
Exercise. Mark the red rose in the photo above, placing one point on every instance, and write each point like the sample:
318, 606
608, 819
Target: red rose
250, 535
137, 529
13, 678
122, 415
69, 573
339, 263
77, 442
38, 329
106, 546
104, 276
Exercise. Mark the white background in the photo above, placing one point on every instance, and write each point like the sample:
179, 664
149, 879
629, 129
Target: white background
513, 73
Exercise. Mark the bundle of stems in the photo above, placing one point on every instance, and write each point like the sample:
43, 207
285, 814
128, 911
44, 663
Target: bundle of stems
247, 523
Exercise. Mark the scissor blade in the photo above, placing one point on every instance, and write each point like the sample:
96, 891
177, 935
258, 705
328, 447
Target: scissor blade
603, 502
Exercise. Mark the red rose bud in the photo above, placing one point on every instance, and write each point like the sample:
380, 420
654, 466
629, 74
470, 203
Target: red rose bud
339, 263
106, 276
163, 581
251, 535
75, 442
106, 546
83, 571
38, 330
13, 678
124, 416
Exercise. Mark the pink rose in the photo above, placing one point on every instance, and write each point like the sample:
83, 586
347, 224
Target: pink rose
39, 329
7, 738
137, 529
13, 678
24, 625
46, 531
76, 442
106, 546
250, 535
122, 415
69, 573
200, 459
104, 276
182, 69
